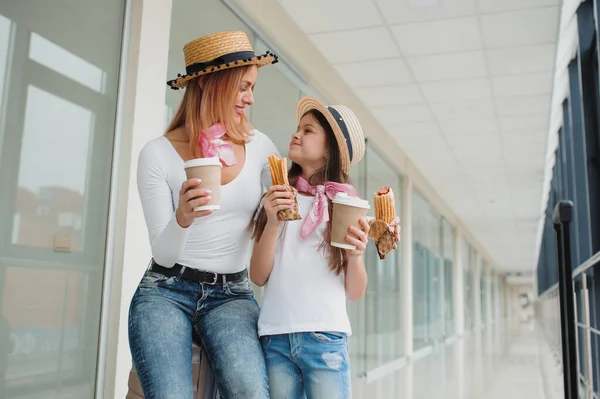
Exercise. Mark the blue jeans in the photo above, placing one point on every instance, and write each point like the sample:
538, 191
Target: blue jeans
310, 364
166, 313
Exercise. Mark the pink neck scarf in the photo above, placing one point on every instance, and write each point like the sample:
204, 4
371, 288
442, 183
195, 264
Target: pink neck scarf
319, 212
212, 145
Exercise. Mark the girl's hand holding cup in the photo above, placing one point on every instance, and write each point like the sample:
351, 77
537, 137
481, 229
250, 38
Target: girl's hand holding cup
359, 238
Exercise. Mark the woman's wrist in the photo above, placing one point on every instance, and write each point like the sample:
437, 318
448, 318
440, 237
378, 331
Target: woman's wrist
180, 219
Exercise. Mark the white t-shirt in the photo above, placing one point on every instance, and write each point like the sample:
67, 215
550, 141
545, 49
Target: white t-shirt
216, 243
302, 294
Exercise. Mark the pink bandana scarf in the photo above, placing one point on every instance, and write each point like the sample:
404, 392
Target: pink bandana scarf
319, 212
212, 145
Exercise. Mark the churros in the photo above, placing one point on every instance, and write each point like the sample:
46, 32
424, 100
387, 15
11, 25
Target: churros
279, 177
278, 167
385, 208
385, 213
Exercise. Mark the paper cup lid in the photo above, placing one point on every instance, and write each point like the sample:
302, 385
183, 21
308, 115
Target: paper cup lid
213, 161
345, 199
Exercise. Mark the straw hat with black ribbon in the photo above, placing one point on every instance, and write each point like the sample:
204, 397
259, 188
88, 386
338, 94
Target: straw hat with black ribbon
345, 125
217, 52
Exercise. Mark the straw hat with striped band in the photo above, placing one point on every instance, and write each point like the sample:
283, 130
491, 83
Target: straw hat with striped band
216, 52
345, 126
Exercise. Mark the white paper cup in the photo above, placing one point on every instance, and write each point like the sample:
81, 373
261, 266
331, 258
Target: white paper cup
208, 170
347, 211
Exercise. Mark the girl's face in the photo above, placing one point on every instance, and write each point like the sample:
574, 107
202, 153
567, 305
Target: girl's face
308, 147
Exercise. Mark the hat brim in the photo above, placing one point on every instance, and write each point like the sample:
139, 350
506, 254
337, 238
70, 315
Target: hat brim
308, 103
260, 61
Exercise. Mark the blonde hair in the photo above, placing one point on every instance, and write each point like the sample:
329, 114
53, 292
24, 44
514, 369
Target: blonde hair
214, 102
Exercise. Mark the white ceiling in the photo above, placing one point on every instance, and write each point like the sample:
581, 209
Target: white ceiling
464, 87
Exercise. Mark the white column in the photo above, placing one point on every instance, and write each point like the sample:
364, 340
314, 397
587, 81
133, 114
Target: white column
458, 351
488, 296
459, 285
142, 119
477, 292
508, 309
515, 305
407, 286
498, 300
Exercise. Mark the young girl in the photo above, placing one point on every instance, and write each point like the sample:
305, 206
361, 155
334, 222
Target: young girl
303, 325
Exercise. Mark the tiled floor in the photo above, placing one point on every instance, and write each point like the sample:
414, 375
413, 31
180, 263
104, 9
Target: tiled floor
483, 365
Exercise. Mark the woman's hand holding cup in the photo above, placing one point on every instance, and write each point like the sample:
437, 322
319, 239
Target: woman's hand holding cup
189, 198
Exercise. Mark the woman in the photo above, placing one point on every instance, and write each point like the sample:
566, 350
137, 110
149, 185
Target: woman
196, 286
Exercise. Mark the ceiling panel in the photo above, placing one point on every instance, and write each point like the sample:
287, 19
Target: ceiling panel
532, 26
375, 73
397, 12
524, 122
464, 110
406, 114
448, 66
522, 85
521, 60
365, 44
474, 144
390, 95
460, 34
456, 90
517, 138
471, 127
523, 105
424, 131
489, 6
492, 152
325, 16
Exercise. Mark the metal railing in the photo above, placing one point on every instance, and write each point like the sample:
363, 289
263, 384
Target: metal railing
569, 313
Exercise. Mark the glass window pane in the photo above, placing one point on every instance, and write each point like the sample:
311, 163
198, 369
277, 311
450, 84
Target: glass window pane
357, 344
428, 274
385, 339
448, 260
5, 38
55, 165
50, 176
66, 63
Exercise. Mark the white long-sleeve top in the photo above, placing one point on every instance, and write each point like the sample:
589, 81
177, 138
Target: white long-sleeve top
216, 243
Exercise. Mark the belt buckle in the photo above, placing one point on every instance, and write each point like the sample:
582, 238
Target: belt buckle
215, 279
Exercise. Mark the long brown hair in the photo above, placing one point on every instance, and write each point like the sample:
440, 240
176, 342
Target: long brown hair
214, 102
332, 171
